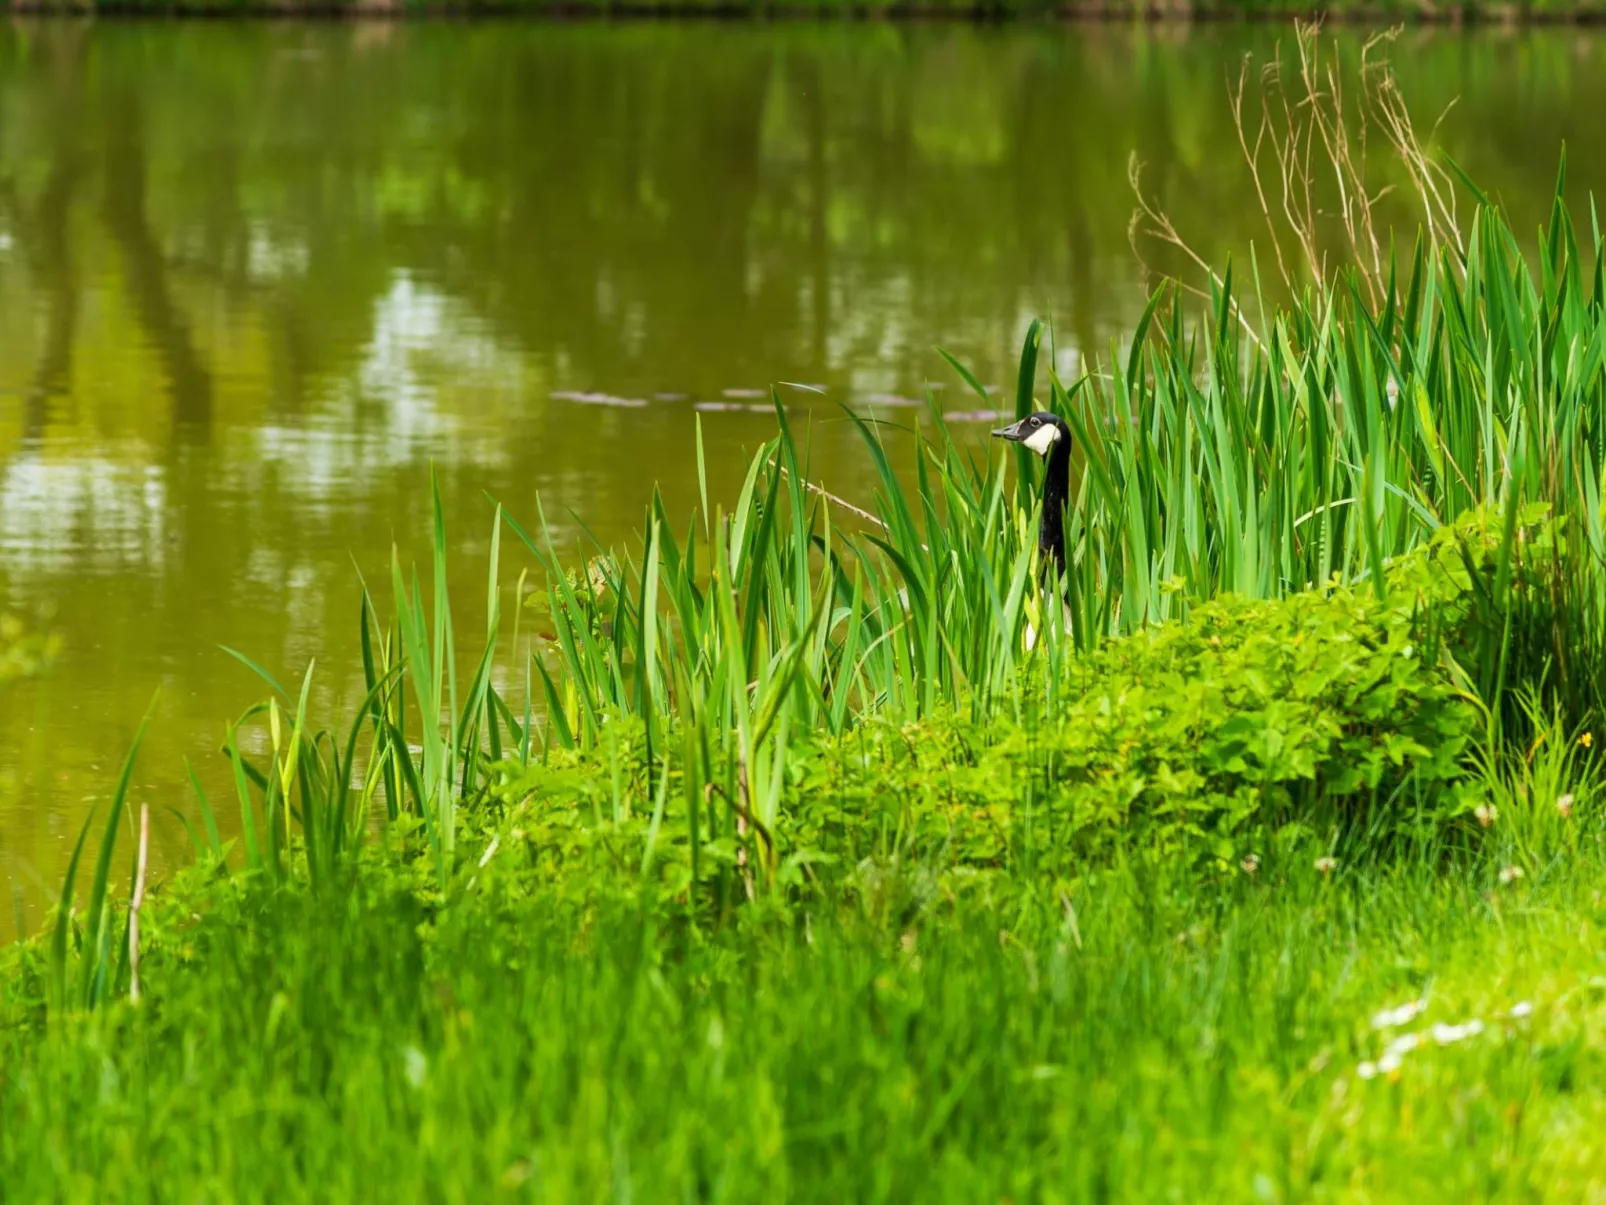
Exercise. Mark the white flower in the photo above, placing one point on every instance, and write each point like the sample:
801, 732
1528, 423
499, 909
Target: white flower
1389, 1063
1366, 1070
1389, 1018
1564, 805
1444, 1035
1393, 390
1510, 874
1486, 813
1523, 1009
415, 1065
1326, 865
1403, 1044
1251, 863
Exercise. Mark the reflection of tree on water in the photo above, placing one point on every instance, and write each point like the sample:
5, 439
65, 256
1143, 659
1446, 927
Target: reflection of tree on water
667, 209
51, 259
42, 232
144, 271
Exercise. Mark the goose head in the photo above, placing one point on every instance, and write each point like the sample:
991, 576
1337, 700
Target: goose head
1041, 432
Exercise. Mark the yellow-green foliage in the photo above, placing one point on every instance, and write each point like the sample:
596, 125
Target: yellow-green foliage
1250, 713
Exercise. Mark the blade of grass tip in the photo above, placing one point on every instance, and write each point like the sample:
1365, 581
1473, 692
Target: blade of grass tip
540, 553
94, 916
1025, 392
702, 473
293, 757
201, 847
242, 789
258, 671
476, 700
493, 594
370, 674
758, 554
409, 771
1134, 360
555, 712
208, 817
965, 375
58, 938
359, 720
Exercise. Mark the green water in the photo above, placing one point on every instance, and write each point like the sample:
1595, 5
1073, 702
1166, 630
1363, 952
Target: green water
256, 279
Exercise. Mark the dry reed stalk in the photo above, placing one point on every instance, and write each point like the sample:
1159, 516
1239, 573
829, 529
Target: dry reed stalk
137, 902
1311, 136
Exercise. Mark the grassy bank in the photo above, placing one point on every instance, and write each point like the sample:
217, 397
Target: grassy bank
1269, 868
922, 1035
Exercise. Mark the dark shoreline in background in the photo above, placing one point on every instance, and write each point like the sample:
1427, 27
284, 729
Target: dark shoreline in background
1511, 16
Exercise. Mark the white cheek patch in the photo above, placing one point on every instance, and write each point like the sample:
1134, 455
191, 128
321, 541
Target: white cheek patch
1042, 439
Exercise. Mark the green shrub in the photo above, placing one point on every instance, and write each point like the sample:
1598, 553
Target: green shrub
1319, 707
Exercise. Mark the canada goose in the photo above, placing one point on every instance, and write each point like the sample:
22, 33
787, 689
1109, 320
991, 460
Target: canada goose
1048, 436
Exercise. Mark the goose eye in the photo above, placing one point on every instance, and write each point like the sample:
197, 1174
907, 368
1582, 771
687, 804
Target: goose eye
1037, 422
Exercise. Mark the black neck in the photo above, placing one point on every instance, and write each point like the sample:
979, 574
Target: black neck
1056, 489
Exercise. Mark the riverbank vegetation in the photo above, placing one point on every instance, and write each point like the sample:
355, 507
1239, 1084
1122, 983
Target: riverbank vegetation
1271, 867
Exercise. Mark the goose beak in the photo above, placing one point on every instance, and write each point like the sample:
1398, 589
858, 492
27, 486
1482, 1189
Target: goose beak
1013, 432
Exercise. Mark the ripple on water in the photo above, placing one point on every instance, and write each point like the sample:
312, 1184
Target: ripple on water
600, 399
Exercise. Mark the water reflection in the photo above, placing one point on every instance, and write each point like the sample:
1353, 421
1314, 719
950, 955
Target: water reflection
256, 278
52, 509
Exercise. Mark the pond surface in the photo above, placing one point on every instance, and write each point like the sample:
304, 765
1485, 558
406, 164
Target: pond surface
255, 279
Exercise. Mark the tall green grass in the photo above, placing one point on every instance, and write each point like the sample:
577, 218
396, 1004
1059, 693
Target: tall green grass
1311, 450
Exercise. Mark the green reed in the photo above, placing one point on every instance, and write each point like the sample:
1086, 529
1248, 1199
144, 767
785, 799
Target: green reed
1307, 449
